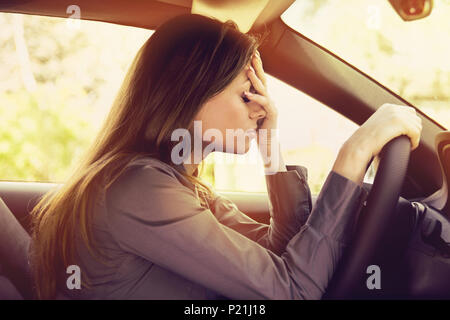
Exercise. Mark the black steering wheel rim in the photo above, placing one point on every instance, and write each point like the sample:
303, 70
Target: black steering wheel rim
381, 203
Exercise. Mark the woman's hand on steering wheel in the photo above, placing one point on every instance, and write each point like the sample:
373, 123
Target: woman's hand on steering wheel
387, 123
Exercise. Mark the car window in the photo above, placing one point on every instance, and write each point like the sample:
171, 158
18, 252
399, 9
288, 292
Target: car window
411, 58
58, 78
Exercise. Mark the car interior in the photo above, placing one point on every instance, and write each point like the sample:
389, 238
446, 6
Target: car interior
421, 176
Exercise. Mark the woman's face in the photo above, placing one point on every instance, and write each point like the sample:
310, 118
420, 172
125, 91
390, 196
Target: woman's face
228, 117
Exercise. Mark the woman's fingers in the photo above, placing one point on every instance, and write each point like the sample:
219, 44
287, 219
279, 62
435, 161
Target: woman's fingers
416, 131
413, 126
258, 79
256, 82
416, 127
263, 101
407, 118
258, 66
388, 122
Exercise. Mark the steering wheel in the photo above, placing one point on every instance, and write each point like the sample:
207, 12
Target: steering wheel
378, 214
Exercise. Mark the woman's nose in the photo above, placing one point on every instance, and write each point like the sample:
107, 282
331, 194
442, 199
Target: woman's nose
257, 112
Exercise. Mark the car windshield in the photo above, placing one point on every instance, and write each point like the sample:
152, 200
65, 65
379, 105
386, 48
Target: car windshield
410, 58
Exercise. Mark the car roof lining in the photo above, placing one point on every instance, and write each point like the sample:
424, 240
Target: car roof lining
148, 14
142, 14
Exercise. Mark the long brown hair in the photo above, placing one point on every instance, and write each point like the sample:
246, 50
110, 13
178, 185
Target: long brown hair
187, 60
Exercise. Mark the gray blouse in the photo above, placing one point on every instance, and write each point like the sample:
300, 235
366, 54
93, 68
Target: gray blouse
161, 241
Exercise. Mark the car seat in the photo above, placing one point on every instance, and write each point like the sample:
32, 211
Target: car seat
15, 277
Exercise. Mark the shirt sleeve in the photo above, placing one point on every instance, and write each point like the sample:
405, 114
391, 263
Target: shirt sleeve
151, 214
289, 205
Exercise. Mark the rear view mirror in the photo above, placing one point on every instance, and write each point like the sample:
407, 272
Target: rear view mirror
410, 10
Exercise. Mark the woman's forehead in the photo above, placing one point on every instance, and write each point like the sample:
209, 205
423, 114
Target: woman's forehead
242, 79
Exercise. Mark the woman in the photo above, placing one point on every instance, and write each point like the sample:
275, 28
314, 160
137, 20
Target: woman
142, 226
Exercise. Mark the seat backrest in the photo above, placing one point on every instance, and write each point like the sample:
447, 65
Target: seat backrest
8, 291
14, 245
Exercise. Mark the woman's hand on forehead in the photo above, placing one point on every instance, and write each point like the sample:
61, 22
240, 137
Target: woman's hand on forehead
258, 67
255, 73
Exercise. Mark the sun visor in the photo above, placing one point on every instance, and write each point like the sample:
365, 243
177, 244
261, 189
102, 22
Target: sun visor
243, 13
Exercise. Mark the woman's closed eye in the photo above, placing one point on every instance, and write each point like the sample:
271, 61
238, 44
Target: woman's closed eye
245, 99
